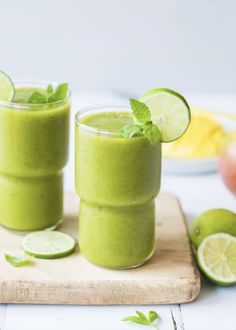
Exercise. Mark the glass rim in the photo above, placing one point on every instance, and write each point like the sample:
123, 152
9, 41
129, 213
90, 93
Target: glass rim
34, 83
84, 110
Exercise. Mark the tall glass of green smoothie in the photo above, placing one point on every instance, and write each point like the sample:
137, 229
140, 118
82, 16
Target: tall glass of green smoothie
33, 152
117, 180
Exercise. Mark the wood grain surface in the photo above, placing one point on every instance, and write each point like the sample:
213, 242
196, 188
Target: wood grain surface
169, 277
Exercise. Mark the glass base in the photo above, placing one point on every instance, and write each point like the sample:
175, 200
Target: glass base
121, 268
31, 204
54, 227
23, 232
117, 237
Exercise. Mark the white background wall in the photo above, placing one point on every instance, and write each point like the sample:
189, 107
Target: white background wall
127, 46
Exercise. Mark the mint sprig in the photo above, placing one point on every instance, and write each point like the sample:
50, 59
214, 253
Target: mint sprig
37, 98
131, 130
140, 111
17, 261
144, 126
141, 318
51, 94
152, 132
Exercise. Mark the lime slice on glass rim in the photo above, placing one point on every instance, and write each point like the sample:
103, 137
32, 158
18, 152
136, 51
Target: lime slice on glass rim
170, 112
216, 257
48, 244
7, 89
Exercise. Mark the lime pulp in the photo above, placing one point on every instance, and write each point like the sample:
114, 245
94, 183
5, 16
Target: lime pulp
216, 258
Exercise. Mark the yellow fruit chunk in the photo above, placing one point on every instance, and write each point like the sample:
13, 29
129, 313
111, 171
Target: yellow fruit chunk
204, 138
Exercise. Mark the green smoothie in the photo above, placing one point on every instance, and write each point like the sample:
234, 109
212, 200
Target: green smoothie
117, 180
33, 153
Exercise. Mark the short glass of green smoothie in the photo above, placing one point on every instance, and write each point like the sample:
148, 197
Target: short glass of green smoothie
33, 152
117, 180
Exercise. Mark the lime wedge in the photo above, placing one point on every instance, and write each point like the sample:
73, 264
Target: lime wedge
216, 258
7, 89
170, 112
48, 244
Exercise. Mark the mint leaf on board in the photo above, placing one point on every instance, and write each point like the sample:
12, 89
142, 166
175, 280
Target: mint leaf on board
143, 319
153, 316
51, 94
131, 130
136, 319
143, 316
152, 133
17, 261
140, 111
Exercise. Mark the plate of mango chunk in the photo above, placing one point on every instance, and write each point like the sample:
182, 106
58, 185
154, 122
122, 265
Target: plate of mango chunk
197, 151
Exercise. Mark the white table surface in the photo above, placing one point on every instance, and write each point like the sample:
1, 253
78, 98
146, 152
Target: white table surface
215, 308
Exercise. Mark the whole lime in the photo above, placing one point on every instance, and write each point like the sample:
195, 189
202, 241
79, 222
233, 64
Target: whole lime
212, 222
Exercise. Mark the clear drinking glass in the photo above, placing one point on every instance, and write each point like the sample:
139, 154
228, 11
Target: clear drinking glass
117, 180
33, 152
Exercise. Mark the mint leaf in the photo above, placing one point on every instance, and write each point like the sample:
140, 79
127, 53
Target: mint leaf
51, 94
37, 98
144, 126
17, 261
61, 91
143, 319
49, 90
140, 111
141, 315
136, 319
131, 130
152, 133
51, 98
153, 316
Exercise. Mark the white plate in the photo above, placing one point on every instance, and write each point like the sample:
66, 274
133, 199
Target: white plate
200, 165
190, 166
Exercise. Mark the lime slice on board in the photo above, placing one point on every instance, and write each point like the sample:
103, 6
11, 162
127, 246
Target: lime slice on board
48, 244
216, 258
170, 112
7, 89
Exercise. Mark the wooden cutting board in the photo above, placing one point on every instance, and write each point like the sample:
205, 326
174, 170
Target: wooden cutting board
169, 277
